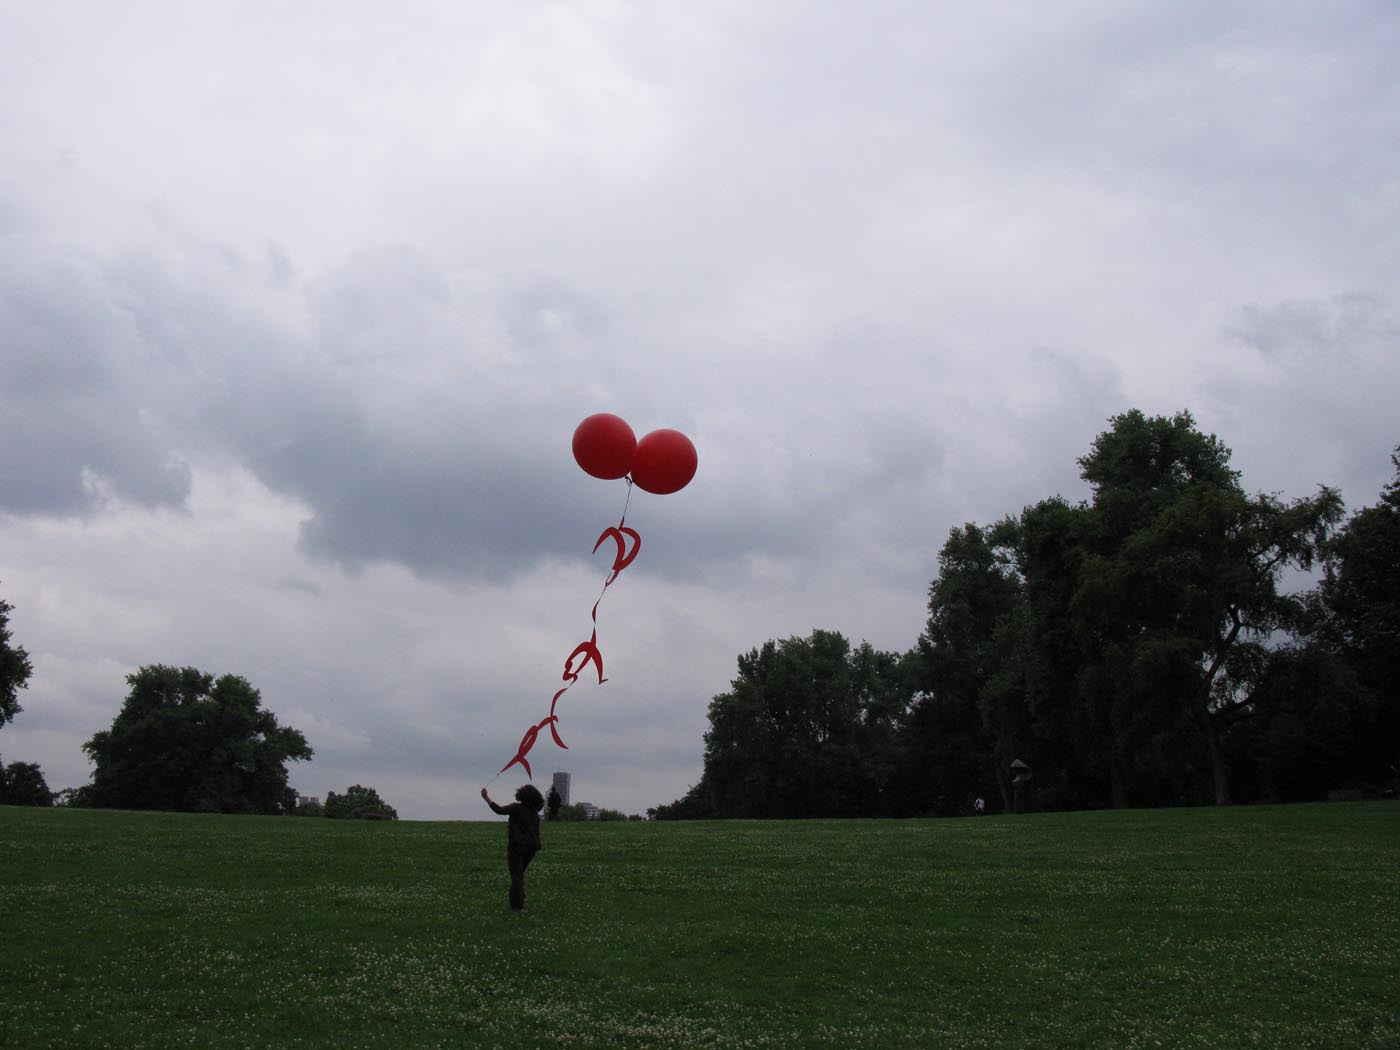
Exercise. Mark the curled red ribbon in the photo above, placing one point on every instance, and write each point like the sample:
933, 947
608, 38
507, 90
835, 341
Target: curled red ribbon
623, 558
527, 742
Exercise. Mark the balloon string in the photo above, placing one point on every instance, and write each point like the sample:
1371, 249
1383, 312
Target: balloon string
587, 651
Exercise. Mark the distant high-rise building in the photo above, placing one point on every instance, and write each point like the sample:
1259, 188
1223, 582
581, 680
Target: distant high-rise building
561, 785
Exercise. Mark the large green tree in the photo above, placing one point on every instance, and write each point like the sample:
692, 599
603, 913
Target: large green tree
966, 723
1179, 586
807, 729
189, 742
1360, 605
359, 803
1039, 655
1115, 643
14, 668
1361, 588
23, 784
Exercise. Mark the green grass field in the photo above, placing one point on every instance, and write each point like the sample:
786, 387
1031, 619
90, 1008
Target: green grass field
1246, 927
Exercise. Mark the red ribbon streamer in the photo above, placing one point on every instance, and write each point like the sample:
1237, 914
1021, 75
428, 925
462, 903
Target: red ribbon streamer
585, 652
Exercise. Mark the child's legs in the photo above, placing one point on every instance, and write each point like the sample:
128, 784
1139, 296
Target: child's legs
517, 863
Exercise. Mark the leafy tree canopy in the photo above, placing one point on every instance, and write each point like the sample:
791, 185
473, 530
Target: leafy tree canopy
359, 803
1177, 590
808, 729
1361, 589
186, 741
14, 668
22, 784
1360, 604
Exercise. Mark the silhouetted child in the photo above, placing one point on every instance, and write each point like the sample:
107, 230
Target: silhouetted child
522, 837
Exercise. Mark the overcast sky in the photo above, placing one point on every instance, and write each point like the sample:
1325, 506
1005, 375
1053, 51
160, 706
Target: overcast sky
300, 305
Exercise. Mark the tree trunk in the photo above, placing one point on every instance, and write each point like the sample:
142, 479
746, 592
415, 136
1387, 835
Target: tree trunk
1200, 710
1003, 787
1219, 773
1117, 784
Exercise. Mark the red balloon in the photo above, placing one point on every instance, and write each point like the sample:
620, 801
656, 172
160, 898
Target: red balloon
604, 446
665, 462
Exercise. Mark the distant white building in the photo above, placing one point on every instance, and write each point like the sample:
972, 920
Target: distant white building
561, 785
589, 810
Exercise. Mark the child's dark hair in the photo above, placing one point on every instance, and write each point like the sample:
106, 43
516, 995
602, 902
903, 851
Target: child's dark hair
530, 795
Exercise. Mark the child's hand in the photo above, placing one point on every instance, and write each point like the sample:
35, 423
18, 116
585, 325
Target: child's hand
485, 795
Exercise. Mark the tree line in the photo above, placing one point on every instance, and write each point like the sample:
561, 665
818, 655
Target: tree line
21, 783
183, 741
357, 803
555, 808
1142, 647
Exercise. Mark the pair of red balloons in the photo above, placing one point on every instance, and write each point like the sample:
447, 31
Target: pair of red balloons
662, 462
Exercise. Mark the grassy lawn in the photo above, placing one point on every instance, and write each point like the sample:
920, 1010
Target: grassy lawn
1247, 927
